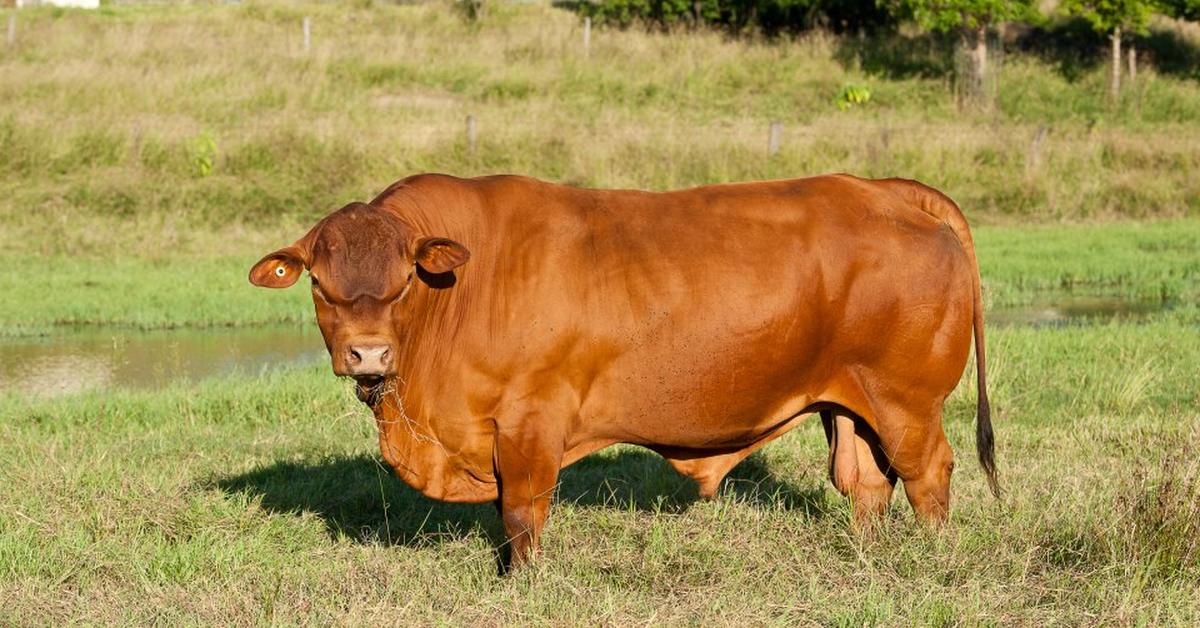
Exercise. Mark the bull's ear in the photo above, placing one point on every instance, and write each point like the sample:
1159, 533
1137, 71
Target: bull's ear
440, 255
279, 269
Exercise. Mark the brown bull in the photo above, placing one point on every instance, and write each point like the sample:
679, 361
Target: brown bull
502, 328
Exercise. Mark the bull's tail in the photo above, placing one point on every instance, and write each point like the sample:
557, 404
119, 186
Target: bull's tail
941, 207
985, 442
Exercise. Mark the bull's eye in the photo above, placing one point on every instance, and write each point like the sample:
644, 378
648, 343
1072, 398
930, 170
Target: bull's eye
280, 271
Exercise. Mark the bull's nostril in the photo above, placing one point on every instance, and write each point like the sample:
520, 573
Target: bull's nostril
368, 358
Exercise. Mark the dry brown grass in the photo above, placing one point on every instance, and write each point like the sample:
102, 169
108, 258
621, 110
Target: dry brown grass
104, 117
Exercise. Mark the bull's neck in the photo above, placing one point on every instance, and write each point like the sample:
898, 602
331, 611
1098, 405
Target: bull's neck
427, 335
439, 305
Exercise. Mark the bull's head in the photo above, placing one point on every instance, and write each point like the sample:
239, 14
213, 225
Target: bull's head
362, 261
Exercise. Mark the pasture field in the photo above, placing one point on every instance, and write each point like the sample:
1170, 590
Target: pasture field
150, 154
261, 500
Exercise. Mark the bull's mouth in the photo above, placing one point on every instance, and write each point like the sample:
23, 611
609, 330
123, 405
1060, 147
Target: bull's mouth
368, 388
368, 380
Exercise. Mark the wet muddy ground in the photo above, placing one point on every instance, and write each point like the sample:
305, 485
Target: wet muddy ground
82, 359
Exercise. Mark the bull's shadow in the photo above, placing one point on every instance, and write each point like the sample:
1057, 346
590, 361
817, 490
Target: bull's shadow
357, 498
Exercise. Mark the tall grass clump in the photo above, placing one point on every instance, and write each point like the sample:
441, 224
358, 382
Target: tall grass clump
1160, 505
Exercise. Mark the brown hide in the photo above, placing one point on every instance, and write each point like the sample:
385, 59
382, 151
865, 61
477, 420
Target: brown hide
700, 323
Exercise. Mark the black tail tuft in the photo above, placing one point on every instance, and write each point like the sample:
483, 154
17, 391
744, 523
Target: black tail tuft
985, 443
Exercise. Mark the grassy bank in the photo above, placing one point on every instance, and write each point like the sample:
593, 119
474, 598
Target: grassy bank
44, 293
201, 129
1156, 262
261, 500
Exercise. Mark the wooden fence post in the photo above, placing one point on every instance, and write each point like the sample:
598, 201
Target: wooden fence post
1114, 79
307, 34
1034, 162
12, 30
471, 134
587, 37
774, 137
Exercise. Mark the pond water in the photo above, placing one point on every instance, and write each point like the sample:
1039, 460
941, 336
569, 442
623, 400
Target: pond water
1063, 310
78, 360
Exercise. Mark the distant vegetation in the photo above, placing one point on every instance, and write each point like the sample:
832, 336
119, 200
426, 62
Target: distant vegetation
152, 130
971, 21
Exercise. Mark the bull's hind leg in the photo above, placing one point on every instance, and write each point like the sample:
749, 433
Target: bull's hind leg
928, 486
857, 466
918, 450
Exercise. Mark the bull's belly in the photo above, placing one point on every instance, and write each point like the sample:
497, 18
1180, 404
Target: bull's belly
684, 405
721, 389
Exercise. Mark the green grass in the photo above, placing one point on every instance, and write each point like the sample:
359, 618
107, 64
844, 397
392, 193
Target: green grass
262, 500
1155, 261
44, 292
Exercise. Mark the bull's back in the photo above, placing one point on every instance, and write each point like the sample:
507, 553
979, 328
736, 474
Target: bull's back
743, 258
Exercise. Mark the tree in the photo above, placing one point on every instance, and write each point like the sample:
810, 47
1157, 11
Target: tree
1115, 17
971, 19
1182, 9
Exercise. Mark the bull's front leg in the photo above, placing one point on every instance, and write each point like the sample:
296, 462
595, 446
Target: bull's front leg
527, 458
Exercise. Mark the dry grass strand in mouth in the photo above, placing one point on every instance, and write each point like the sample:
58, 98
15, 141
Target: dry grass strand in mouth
389, 389
373, 394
